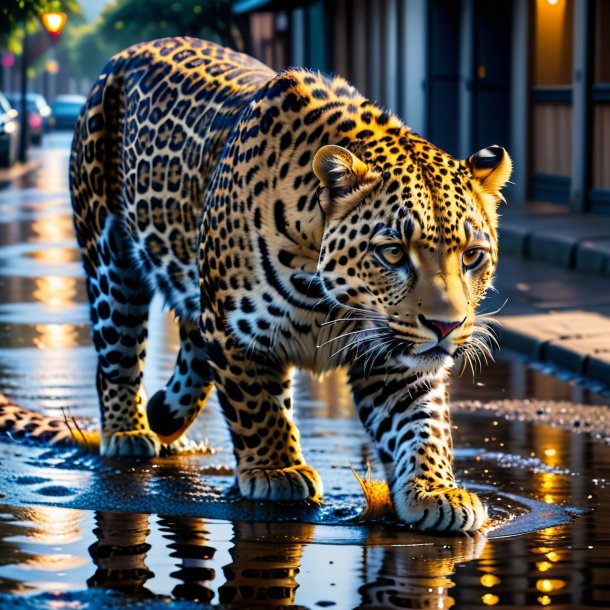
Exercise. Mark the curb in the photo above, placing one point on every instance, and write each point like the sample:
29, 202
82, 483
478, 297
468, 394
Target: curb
574, 242
577, 341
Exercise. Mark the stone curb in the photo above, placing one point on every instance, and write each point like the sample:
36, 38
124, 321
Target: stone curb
576, 242
577, 341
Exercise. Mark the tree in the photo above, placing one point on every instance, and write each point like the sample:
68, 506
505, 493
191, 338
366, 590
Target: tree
129, 21
126, 22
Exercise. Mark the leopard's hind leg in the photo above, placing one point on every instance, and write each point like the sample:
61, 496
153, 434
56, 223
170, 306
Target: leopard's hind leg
172, 410
119, 304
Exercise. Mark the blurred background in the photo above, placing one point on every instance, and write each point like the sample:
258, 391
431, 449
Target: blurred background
531, 75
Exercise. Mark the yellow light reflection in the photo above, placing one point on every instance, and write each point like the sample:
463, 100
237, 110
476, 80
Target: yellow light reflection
489, 599
553, 556
55, 255
55, 291
53, 228
550, 452
548, 585
544, 566
544, 600
55, 526
56, 336
490, 580
53, 563
549, 499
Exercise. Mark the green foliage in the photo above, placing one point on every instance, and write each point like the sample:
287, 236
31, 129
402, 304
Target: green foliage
15, 14
126, 22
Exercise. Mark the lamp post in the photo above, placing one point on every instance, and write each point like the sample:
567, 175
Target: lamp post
53, 22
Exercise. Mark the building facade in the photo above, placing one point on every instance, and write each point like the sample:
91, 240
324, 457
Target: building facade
530, 75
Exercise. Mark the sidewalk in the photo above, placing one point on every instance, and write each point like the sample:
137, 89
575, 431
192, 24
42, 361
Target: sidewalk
555, 271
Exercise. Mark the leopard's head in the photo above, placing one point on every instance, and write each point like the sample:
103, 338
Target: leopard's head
410, 244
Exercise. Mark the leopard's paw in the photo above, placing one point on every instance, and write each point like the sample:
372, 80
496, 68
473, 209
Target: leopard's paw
430, 507
134, 443
294, 483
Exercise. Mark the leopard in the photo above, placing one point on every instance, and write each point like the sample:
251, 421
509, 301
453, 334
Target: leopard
288, 222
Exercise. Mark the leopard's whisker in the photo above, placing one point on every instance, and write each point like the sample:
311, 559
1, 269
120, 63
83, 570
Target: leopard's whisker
492, 313
354, 332
331, 322
357, 343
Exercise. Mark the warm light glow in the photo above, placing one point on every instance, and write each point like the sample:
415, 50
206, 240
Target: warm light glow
550, 452
56, 292
490, 580
547, 585
55, 336
549, 499
52, 66
543, 566
489, 599
54, 22
55, 526
553, 2
544, 600
552, 556
55, 562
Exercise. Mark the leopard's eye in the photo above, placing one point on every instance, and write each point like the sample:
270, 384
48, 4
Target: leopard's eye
472, 258
392, 255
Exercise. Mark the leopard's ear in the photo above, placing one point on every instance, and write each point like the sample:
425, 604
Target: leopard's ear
344, 180
492, 168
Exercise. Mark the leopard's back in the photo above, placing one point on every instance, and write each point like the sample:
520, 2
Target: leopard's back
145, 147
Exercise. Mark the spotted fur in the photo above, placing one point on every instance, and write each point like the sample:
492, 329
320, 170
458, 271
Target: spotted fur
288, 222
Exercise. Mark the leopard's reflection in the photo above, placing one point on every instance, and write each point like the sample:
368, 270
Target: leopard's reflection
265, 566
120, 553
261, 574
265, 563
415, 577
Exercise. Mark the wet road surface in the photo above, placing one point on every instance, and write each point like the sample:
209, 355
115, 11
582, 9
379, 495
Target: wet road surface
78, 532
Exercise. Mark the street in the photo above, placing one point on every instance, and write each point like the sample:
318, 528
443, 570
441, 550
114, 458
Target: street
533, 476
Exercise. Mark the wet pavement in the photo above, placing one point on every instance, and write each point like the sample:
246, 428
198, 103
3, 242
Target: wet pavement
79, 532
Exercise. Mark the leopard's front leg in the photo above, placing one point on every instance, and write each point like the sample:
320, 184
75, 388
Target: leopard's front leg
409, 421
256, 400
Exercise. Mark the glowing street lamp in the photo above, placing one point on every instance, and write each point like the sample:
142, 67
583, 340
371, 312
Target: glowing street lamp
54, 22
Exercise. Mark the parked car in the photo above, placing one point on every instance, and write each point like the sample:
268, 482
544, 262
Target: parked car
9, 133
65, 110
39, 113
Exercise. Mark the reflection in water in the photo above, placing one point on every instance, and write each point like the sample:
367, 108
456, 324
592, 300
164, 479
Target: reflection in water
55, 336
120, 553
32, 545
190, 546
55, 291
406, 579
264, 574
52, 229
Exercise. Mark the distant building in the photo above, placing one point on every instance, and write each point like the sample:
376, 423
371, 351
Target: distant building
531, 75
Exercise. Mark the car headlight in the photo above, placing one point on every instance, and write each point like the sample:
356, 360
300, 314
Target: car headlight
45, 112
10, 127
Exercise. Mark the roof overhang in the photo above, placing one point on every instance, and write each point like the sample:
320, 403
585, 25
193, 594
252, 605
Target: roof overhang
251, 6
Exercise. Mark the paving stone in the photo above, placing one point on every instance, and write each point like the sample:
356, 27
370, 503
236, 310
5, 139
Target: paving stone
531, 333
554, 238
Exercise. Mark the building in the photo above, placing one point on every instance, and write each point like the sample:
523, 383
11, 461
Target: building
531, 75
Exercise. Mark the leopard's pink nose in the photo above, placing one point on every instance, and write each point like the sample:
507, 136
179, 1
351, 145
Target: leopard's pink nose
442, 329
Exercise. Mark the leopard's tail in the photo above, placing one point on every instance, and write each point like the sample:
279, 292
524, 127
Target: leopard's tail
20, 424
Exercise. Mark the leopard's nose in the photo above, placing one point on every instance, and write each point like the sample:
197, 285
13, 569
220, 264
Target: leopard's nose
439, 327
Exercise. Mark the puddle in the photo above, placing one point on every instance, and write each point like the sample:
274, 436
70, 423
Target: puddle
79, 532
